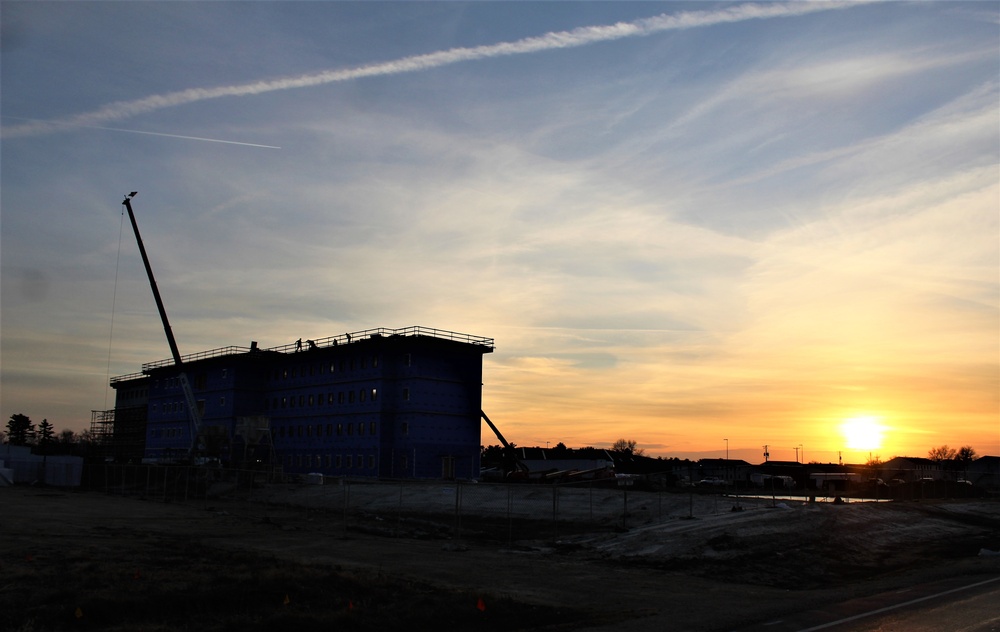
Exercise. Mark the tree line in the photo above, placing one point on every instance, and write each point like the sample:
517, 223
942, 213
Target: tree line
22, 431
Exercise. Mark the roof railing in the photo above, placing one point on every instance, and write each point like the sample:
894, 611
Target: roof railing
329, 341
201, 355
355, 336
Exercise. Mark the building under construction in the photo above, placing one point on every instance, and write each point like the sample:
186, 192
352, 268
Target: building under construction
390, 403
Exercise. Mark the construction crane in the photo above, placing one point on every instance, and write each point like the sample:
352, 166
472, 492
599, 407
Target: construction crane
511, 461
192, 405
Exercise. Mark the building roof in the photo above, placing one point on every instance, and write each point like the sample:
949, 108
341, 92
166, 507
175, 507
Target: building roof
486, 344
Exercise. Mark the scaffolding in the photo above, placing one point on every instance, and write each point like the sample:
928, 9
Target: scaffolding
118, 435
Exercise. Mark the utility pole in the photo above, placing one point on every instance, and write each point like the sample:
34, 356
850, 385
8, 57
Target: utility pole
796, 448
767, 454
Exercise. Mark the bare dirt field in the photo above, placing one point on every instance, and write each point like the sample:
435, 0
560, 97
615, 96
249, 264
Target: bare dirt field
90, 560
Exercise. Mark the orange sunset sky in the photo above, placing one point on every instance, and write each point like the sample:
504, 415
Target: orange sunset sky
692, 225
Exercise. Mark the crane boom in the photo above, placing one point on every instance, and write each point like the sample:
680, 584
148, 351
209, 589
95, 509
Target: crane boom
192, 405
510, 453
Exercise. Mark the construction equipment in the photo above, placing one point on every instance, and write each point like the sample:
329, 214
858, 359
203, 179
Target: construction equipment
511, 462
192, 405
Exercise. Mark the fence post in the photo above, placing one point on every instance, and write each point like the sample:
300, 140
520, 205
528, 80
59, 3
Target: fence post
625, 512
590, 488
399, 510
347, 502
510, 515
458, 510
555, 509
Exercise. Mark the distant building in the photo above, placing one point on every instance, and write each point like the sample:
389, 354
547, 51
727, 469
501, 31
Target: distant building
390, 403
730, 471
984, 472
909, 469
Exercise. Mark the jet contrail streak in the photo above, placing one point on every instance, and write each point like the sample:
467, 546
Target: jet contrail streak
207, 140
550, 41
139, 131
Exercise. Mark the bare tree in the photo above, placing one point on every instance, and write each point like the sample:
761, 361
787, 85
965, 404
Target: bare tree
942, 453
627, 446
966, 454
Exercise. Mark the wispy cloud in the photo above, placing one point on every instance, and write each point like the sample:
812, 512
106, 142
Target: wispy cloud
583, 36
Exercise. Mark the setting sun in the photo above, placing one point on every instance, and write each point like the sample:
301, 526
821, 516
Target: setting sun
862, 433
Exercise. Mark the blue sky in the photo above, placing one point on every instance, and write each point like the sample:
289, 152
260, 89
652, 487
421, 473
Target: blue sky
681, 222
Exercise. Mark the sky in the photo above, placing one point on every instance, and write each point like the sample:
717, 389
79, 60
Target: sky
705, 227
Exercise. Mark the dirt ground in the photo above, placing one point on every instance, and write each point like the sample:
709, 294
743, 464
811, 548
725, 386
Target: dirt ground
90, 560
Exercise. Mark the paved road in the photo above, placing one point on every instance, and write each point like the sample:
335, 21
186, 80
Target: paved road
969, 604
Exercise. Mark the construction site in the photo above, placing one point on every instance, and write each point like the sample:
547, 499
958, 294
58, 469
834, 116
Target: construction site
340, 482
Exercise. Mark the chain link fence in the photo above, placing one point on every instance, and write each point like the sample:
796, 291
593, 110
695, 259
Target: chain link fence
501, 512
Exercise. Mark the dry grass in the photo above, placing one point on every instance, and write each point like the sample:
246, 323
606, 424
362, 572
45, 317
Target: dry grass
153, 584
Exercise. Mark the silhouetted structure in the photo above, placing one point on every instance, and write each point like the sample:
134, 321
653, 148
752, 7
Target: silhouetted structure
400, 403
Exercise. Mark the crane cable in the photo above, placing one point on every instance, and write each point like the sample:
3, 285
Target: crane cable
114, 296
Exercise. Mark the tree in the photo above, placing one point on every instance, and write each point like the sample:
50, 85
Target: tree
20, 430
942, 453
966, 454
627, 446
46, 433
67, 436
490, 456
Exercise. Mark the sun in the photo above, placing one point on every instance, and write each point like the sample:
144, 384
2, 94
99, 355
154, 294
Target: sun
862, 433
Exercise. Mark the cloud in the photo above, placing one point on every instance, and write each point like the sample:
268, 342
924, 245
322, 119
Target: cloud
583, 36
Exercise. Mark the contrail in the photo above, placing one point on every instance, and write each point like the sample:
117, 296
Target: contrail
138, 131
207, 140
550, 41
